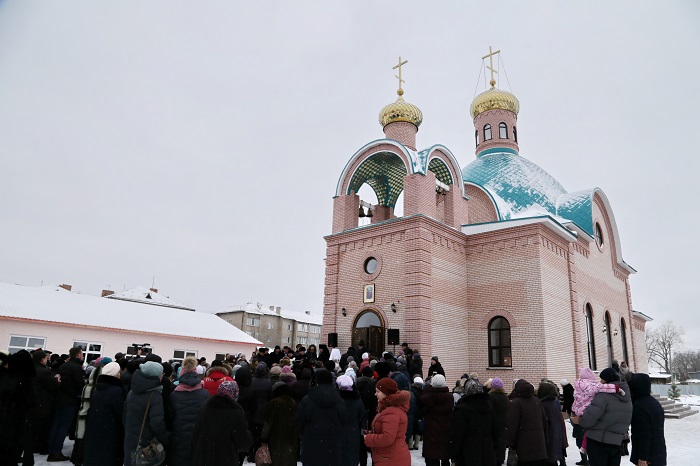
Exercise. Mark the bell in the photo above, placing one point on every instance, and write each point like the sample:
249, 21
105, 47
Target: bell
362, 212
369, 213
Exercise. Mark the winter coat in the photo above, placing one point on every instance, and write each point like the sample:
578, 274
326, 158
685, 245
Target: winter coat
221, 431
85, 399
403, 384
500, 404
185, 405
246, 397
143, 388
214, 377
417, 390
319, 421
278, 428
435, 369
415, 367
555, 436
526, 423
366, 387
388, 436
46, 385
17, 397
608, 417
104, 430
72, 382
585, 390
567, 398
262, 391
354, 417
436, 404
472, 432
648, 442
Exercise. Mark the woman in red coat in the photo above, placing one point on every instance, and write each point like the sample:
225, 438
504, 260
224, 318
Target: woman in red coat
387, 439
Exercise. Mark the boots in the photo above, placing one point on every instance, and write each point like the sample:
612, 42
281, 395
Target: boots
584, 460
416, 441
409, 441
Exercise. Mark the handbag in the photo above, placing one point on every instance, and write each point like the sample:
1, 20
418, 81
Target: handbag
152, 454
262, 456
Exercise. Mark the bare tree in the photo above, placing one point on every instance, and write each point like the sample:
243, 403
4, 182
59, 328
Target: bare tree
685, 362
663, 343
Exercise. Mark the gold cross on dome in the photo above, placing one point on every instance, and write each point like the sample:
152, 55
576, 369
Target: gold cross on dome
490, 67
401, 63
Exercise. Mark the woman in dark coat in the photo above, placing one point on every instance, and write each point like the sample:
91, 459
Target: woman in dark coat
278, 429
145, 386
262, 391
17, 397
417, 390
435, 367
526, 425
104, 431
319, 421
221, 430
648, 442
556, 430
303, 384
47, 386
500, 405
436, 404
185, 403
246, 400
473, 431
354, 417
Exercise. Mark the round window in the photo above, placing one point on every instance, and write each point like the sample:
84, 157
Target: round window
598, 235
371, 265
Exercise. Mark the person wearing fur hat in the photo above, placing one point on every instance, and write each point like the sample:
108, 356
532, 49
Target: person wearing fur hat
435, 367
436, 404
555, 436
319, 422
278, 429
186, 401
352, 421
145, 391
473, 433
221, 430
526, 424
104, 435
500, 404
387, 439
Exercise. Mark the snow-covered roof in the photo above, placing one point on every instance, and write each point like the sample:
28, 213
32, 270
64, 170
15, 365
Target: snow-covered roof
48, 304
147, 296
546, 220
261, 309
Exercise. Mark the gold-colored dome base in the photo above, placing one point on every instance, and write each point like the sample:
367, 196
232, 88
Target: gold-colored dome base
400, 111
494, 99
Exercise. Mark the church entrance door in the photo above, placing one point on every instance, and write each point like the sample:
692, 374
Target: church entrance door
369, 328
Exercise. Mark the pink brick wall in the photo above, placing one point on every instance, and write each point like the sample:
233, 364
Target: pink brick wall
494, 117
481, 208
402, 131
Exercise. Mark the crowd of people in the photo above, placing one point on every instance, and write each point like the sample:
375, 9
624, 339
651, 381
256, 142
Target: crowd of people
316, 406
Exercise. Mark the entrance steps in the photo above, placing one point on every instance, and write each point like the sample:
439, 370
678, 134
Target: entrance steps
674, 410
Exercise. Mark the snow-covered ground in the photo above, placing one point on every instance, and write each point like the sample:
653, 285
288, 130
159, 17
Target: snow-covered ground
682, 449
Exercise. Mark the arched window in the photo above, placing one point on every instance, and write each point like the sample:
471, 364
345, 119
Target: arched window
591, 338
487, 132
599, 235
502, 131
623, 336
608, 341
515, 134
476, 137
499, 343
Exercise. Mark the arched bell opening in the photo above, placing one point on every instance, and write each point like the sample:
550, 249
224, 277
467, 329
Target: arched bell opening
379, 181
444, 182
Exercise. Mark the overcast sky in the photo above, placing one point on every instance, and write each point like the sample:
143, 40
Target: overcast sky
202, 145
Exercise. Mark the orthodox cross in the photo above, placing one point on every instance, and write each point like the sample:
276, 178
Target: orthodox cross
401, 63
490, 57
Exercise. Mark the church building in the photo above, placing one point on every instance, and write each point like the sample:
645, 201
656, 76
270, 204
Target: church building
493, 267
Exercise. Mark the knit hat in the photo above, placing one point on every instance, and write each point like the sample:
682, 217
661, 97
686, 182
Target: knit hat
112, 369
344, 382
365, 355
418, 380
435, 358
472, 387
586, 373
286, 370
496, 383
609, 375
277, 370
323, 377
439, 381
102, 361
228, 388
564, 382
387, 386
151, 369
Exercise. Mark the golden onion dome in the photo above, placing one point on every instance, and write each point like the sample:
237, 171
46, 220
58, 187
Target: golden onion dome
400, 111
494, 99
